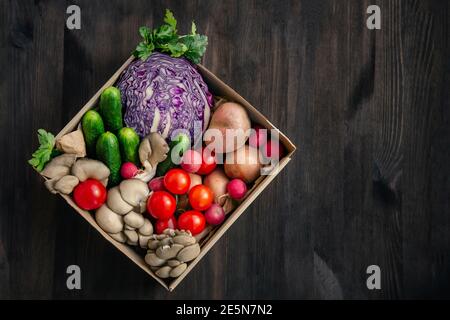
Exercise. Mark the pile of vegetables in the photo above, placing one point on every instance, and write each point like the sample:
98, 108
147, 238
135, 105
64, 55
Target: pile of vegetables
132, 160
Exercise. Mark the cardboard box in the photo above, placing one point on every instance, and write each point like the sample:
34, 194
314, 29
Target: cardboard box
219, 88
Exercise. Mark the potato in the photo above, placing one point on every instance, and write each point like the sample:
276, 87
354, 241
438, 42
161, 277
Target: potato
217, 181
231, 119
195, 180
243, 164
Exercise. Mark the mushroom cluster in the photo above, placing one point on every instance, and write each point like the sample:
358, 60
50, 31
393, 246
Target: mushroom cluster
121, 216
65, 172
169, 252
153, 149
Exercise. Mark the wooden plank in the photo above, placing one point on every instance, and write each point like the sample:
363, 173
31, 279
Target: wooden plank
424, 59
369, 184
31, 83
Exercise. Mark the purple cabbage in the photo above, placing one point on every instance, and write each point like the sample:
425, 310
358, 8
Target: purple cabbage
163, 94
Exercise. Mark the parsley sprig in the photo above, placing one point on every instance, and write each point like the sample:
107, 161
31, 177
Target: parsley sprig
45, 152
166, 39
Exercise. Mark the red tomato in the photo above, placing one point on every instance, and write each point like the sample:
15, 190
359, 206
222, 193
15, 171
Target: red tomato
201, 197
161, 205
193, 221
162, 225
208, 162
89, 194
177, 181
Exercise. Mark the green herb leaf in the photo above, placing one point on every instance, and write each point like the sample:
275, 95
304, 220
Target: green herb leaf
44, 153
196, 47
164, 34
165, 39
177, 49
145, 33
170, 20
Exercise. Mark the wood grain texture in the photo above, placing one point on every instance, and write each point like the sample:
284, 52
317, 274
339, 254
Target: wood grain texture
368, 111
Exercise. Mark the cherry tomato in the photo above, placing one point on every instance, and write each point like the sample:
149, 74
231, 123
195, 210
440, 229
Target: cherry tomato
208, 162
201, 197
193, 221
89, 194
177, 181
162, 225
161, 205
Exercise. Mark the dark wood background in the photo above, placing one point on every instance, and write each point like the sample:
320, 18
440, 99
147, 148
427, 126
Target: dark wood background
368, 111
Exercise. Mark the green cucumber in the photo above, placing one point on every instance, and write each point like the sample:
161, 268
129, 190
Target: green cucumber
129, 145
182, 142
111, 109
92, 126
108, 152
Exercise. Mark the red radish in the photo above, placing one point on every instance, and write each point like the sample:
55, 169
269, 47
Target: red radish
128, 170
215, 215
237, 189
191, 161
273, 150
258, 137
157, 184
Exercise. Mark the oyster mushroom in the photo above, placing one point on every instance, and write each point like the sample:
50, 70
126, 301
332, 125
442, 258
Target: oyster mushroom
121, 215
66, 184
143, 240
134, 220
132, 236
168, 253
119, 237
147, 228
178, 270
133, 191
50, 184
108, 220
88, 168
116, 203
59, 166
152, 150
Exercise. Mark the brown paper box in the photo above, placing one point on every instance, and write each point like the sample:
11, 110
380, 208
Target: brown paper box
217, 87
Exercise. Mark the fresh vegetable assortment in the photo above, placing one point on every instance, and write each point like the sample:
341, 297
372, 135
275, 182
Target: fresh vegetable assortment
133, 163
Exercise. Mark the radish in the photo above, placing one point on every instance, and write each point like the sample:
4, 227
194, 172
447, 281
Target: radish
258, 137
157, 184
128, 170
191, 161
273, 150
215, 215
236, 189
